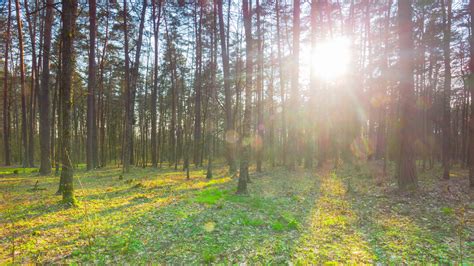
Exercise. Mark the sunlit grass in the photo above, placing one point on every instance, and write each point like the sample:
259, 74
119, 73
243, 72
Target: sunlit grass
332, 234
407, 228
160, 216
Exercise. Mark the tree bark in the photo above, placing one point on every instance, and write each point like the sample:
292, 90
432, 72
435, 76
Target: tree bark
69, 13
260, 123
229, 122
156, 26
406, 170
45, 124
24, 122
446, 145
294, 100
91, 148
471, 87
245, 143
134, 74
6, 109
127, 128
282, 83
197, 83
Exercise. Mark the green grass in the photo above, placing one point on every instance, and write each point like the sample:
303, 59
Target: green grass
158, 216
17, 170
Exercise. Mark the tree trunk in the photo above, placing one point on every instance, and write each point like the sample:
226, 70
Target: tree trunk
471, 87
44, 126
91, 148
282, 83
229, 122
69, 13
294, 100
245, 144
134, 80
197, 82
34, 86
446, 149
24, 122
212, 95
127, 127
260, 124
6, 109
156, 26
406, 171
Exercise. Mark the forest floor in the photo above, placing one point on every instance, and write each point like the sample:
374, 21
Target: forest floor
348, 215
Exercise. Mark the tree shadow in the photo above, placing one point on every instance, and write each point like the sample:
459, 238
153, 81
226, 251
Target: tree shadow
46, 221
260, 227
404, 227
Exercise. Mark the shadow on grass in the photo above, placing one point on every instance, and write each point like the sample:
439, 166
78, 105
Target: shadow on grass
43, 226
214, 226
404, 228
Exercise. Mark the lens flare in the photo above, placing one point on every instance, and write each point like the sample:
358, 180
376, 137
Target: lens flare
330, 59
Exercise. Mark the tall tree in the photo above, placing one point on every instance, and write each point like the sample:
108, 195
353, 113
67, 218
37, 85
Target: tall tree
127, 127
229, 122
260, 124
211, 119
446, 10
91, 147
406, 170
6, 109
281, 75
134, 78
24, 122
245, 143
294, 109
471, 87
68, 32
156, 26
43, 100
34, 82
197, 81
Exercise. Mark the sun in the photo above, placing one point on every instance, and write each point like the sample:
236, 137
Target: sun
330, 59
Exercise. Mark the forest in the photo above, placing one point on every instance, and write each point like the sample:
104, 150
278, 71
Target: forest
256, 132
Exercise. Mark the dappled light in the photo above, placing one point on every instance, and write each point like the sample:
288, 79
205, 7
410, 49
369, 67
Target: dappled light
266, 132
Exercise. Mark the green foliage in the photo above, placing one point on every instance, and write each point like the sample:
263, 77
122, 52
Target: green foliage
447, 210
209, 196
278, 226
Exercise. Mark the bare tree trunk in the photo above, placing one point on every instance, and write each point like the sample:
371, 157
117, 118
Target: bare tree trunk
127, 128
6, 109
59, 116
282, 84
45, 124
24, 121
134, 79
229, 122
446, 151
406, 171
156, 26
212, 96
91, 151
131, 76
294, 100
34, 86
69, 13
260, 124
245, 149
309, 138
197, 82
471, 87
